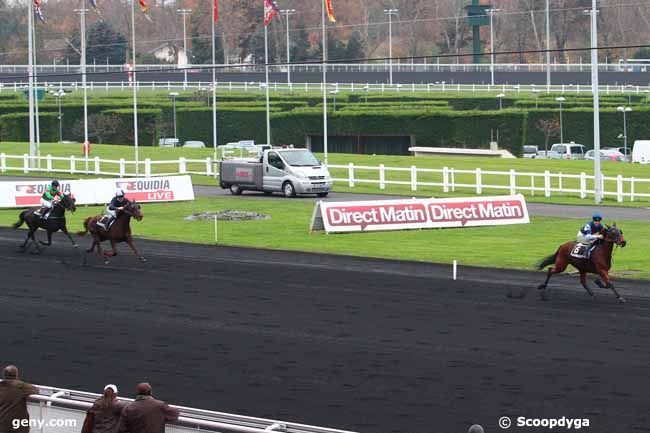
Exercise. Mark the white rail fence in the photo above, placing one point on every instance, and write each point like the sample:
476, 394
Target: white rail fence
254, 87
63, 411
446, 179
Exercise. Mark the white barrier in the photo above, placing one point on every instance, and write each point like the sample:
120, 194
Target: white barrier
405, 214
100, 191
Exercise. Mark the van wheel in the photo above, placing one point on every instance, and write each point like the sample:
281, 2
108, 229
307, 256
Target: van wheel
223, 185
235, 190
289, 190
322, 194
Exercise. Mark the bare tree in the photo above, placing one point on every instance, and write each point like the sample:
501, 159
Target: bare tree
101, 126
550, 128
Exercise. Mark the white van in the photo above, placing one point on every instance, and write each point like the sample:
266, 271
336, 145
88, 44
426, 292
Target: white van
641, 152
569, 150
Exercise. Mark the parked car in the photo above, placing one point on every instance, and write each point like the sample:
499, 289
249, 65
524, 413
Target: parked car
530, 151
194, 144
168, 142
569, 150
543, 154
606, 155
625, 151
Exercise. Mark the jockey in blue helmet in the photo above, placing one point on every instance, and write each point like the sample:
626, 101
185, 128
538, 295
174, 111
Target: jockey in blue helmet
117, 204
592, 231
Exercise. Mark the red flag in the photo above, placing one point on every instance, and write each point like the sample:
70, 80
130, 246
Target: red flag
143, 6
271, 9
330, 11
215, 12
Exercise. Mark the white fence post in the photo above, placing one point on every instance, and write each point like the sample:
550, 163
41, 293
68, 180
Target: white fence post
445, 179
97, 167
122, 167
560, 187
532, 184
414, 178
602, 185
513, 182
631, 189
182, 165
619, 188
382, 177
49, 163
479, 185
208, 166
72, 164
547, 183
147, 167
3, 162
351, 175
25, 163
452, 175
583, 185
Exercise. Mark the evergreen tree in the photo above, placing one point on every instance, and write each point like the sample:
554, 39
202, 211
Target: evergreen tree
103, 44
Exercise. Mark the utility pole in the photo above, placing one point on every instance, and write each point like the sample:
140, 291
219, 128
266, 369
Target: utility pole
184, 13
390, 13
287, 13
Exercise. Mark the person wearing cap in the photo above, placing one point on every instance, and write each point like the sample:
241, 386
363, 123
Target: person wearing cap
52, 194
13, 401
591, 232
146, 414
117, 204
104, 415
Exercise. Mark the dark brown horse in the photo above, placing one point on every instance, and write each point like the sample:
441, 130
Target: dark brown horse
119, 231
54, 222
600, 262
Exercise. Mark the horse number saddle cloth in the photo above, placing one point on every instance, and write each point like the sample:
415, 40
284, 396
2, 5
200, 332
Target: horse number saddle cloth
581, 251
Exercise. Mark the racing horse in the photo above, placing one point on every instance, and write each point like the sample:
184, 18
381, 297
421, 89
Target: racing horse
54, 222
599, 263
119, 231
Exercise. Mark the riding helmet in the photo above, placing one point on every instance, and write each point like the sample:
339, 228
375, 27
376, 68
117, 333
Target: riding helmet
597, 216
119, 193
55, 183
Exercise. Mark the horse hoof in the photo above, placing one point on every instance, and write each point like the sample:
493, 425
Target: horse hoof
142, 259
621, 300
89, 250
75, 246
541, 287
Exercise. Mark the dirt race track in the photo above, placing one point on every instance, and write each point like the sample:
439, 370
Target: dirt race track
368, 345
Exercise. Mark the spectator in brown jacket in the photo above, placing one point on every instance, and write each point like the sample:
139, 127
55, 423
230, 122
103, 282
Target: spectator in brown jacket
146, 414
13, 402
104, 415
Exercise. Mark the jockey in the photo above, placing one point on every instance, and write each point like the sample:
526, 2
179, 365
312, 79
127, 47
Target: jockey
117, 203
592, 231
51, 194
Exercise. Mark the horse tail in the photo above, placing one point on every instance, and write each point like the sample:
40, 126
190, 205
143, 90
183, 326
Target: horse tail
549, 260
21, 220
86, 224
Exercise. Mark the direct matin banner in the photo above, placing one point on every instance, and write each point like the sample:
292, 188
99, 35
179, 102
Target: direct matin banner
404, 214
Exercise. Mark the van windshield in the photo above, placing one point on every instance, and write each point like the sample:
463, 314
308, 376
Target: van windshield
299, 158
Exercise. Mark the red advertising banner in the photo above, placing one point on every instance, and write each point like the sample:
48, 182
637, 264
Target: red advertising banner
403, 214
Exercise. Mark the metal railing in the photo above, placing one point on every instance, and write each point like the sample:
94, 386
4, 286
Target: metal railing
446, 179
63, 404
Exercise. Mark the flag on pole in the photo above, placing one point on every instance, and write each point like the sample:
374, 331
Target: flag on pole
330, 11
215, 11
93, 3
145, 8
271, 9
37, 10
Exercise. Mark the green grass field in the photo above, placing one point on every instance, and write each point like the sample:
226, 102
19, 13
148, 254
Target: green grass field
516, 246
610, 169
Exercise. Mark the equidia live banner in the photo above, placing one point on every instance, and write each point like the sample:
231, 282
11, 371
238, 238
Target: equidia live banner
100, 191
403, 214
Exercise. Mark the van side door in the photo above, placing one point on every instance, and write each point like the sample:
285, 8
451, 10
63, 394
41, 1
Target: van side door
274, 171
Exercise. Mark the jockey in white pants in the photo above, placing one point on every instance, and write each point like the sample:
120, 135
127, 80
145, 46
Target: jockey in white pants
51, 194
117, 203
